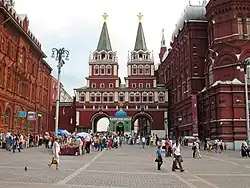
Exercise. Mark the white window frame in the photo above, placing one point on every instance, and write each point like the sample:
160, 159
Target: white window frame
92, 95
147, 70
137, 94
144, 94
151, 94
93, 85
105, 94
133, 85
108, 67
102, 67
161, 94
148, 85
98, 94
96, 67
131, 95
111, 95
140, 67
121, 94
140, 85
111, 85
134, 67
102, 85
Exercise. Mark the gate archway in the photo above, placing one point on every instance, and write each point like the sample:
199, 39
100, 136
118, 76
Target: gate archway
142, 123
95, 119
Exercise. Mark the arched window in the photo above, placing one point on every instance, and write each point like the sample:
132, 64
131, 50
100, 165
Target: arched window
134, 70
92, 97
140, 69
147, 70
108, 70
111, 85
131, 97
98, 97
7, 117
102, 85
210, 75
150, 97
103, 56
95, 56
102, 69
105, 97
161, 97
82, 97
121, 97
137, 97
248, 26
110, 56
240, 26
22, 56
144, 97
96, 70
111, 97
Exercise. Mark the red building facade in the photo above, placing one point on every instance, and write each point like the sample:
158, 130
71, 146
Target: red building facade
140, 95
24, 75
218, 43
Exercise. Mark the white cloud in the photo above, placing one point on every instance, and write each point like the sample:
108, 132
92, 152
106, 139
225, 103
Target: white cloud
61, 18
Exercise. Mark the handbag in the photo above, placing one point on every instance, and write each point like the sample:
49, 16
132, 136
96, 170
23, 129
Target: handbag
181, 159
54, 161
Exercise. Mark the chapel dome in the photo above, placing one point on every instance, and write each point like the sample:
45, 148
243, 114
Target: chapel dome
191, 12
121, 114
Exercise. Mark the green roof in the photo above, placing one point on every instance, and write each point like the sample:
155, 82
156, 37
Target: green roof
140, 43
104, 41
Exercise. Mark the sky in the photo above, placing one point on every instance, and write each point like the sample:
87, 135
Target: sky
76, 25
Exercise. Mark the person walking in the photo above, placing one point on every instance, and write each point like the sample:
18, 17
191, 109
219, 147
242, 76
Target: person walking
177, 156
56, 151
158, 158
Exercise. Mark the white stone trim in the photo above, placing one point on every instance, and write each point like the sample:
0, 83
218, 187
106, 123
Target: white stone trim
77, 118
90, 70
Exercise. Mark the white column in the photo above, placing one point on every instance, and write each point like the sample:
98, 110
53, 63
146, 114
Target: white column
90, 70
127, 83
87, 83
126, 96
77, 118
152, 70
117, 83
129, 70
166, 96
87, 97
154, 83
116, 96
156, 96
115, 70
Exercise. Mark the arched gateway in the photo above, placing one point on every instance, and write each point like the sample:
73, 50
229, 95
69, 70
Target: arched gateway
144, 102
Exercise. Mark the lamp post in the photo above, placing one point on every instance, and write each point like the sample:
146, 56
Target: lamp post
245, 65
59, 55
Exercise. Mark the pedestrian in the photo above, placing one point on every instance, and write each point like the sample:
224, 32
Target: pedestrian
56, 151
177, 156
158, 158
143, 141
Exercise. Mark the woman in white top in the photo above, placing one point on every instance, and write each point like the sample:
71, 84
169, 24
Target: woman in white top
56, 151
177, 156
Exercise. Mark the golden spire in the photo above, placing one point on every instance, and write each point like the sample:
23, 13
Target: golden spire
105, 17
139, 16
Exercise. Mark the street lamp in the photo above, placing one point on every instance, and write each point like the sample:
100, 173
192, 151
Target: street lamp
245, 64
59, 55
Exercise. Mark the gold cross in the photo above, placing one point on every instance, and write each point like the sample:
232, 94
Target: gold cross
105, 16
139, 16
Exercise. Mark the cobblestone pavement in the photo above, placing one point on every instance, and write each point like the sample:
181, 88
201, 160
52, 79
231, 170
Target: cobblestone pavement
128, 166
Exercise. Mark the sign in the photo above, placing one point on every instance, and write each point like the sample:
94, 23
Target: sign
31, 116
22, 114
195, 116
